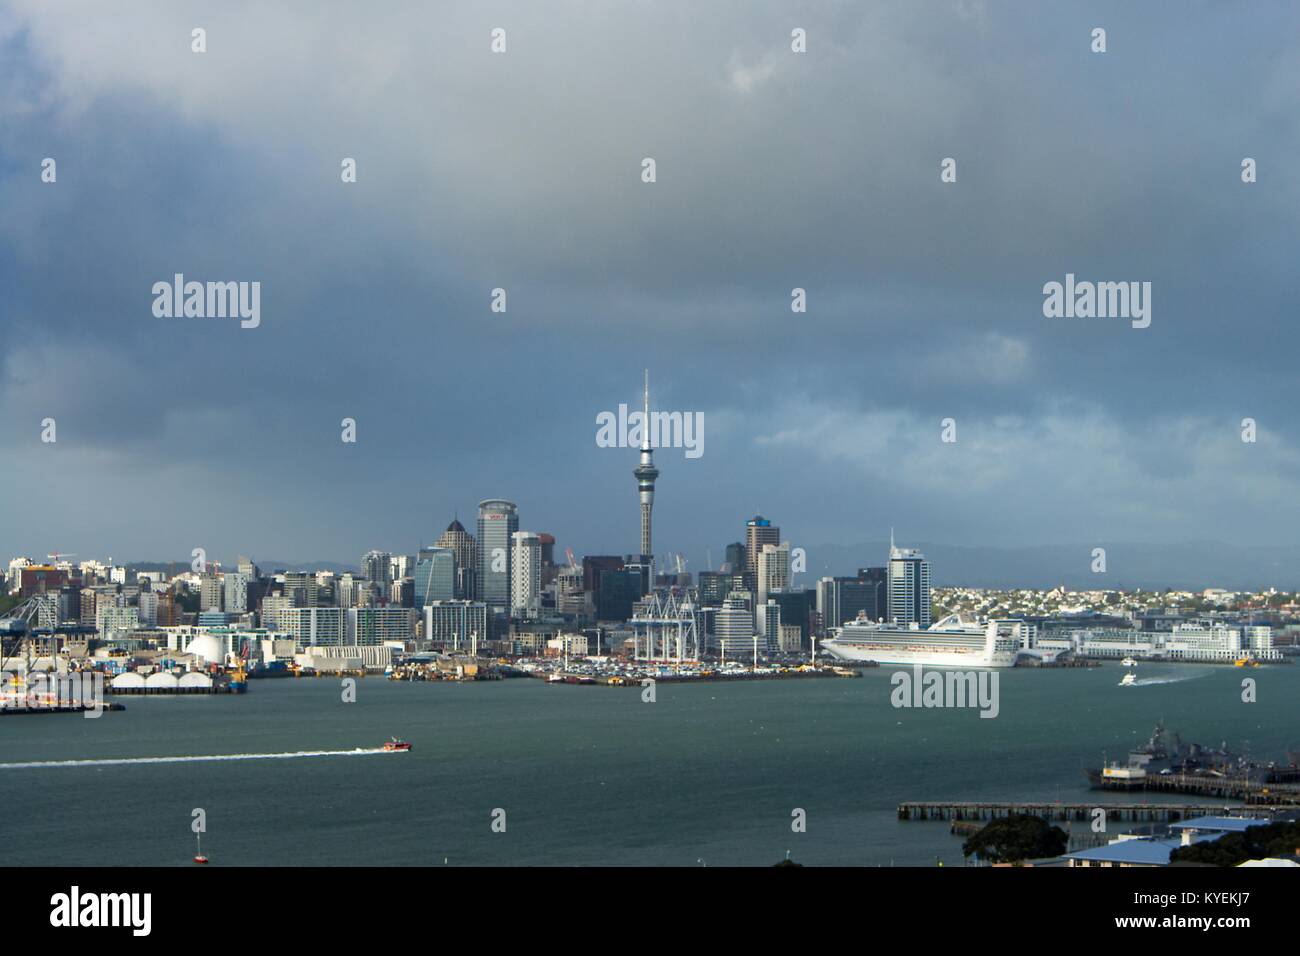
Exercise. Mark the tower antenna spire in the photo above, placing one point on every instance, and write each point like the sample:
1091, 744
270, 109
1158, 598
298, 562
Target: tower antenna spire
645, 421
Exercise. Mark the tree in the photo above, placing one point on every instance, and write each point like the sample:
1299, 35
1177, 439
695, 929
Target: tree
1017, 837
1253, 843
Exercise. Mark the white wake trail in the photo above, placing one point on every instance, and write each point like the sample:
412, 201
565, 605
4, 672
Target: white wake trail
119, 761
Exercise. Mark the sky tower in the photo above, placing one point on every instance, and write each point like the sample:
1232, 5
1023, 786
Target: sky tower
646, 473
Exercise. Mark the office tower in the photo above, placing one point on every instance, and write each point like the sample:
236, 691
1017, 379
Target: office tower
735, 562
773, 570
435, 575
796, 610
617, 591
525, 571
593, 565
462, 543
376, 566
247, 568
758, 532
875, 593
646, 473
716, 585
498, 520
236, 592
909, 586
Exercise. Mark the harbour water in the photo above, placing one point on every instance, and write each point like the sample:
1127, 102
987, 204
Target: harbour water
589, 775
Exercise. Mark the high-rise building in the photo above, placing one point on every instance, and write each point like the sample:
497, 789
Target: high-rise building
909, 586
462, 543
454, 624
236, 592
646, 473
370, 626
435, 575
758, 532
498, 520
211, 593
313, 626
525, 571
377, 568
735, 562
773, 570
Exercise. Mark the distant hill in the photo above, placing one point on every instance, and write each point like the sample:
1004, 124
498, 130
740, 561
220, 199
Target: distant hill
1192, 565
268, 567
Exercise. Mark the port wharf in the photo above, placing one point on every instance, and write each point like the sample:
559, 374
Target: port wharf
59, 709
1142, 812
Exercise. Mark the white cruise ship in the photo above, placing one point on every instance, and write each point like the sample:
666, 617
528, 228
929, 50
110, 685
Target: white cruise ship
952, 642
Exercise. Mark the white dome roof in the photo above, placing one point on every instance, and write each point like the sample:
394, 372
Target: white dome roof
211, 649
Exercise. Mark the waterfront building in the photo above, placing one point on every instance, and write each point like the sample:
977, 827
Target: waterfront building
313, 626
733, 629
498, 520
369, 626
453, 624
909, 586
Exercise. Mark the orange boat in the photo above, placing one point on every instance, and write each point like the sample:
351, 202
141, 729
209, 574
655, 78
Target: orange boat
396, 744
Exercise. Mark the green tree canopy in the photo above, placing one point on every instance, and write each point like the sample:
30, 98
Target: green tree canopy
1017, 837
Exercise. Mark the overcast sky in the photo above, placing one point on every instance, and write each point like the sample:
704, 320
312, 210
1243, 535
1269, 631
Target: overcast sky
522, 170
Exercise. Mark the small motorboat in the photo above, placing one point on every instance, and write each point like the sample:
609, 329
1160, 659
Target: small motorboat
1128, 662
1128, 680
395, 744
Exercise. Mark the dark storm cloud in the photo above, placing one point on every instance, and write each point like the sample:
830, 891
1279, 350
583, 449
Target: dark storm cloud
775, 170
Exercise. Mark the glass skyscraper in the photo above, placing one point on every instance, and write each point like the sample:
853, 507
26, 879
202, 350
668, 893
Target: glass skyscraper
498, 520
435, 575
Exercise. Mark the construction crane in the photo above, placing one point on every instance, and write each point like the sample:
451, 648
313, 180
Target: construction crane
573, 562
61, 554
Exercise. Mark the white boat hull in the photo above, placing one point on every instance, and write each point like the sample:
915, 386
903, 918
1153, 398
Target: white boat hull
975, 659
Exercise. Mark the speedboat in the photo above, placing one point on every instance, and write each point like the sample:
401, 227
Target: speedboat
395, 744
1128, 662
1128, 680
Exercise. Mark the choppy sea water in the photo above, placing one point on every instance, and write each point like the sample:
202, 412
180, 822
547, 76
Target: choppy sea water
588, 775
